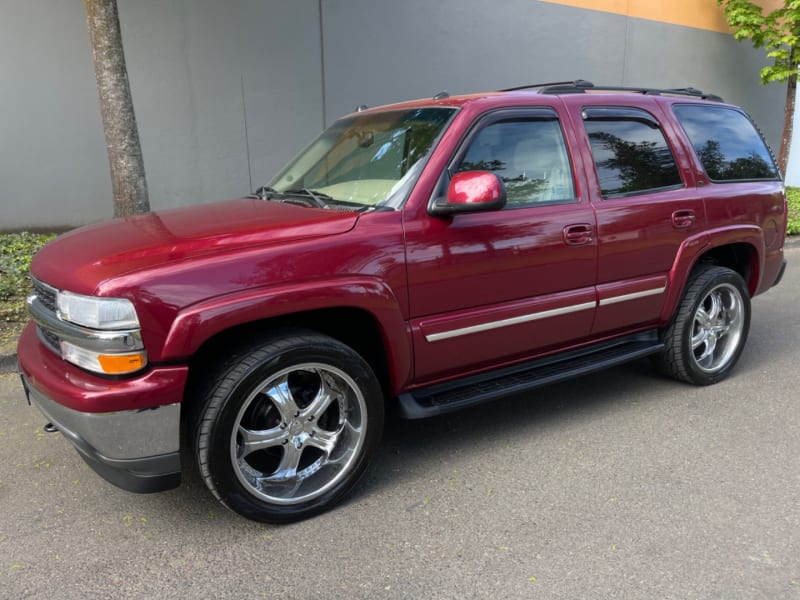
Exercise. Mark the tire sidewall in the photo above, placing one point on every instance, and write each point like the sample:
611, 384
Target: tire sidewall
714, 277
217, 452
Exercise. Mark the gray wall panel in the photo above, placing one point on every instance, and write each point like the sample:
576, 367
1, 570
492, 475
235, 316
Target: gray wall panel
661, 55
53, 164
225, 93
198, 68
468, 45
381, 52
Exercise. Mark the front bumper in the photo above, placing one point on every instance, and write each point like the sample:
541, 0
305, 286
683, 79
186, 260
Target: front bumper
137, 448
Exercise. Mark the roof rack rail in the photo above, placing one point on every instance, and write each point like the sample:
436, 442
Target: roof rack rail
573, 83
581, 86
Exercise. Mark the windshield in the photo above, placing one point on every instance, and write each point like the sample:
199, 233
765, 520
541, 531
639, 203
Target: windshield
370, 159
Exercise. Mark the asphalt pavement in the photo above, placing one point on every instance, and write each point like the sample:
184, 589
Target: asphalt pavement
622, 484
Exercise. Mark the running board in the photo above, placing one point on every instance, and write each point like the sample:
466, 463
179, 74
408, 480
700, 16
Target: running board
455, 395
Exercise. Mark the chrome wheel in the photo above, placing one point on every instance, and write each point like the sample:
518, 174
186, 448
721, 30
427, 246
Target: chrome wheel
286, 427
709, 330
717, 328
298, 433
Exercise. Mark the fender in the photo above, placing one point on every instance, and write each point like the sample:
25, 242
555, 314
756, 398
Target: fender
693, 248
199, 322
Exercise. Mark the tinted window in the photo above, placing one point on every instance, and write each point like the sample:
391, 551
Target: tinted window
630, 153
726, 142
529, 155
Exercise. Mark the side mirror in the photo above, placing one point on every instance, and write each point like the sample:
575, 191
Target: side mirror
471, 191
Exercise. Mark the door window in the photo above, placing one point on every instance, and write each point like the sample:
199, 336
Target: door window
630, 153
529, 155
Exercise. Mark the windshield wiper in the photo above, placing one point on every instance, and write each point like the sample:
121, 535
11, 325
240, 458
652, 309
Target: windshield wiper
319, 198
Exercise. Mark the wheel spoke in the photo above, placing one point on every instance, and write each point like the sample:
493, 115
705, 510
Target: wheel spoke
352, 428
716, 306
701, 316
322, 401
287, 469
281, 396
324, 440
699, 339
708, 353
721, 329
251, 441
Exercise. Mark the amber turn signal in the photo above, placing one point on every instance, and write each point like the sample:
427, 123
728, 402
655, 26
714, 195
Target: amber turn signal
119, 364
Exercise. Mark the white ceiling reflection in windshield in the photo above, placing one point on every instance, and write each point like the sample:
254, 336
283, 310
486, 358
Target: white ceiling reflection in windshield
367, 160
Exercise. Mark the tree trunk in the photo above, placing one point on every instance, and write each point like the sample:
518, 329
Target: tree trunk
788, 120
119, 122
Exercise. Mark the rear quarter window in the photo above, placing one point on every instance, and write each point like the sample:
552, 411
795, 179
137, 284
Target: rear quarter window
726, 142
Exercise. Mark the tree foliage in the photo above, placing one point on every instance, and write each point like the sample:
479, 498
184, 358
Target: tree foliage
16, 251
778, 33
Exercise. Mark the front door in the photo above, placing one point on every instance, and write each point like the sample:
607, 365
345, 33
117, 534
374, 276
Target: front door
492, 288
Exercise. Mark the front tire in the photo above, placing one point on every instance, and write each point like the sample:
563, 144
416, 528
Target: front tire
708, 334
284, 430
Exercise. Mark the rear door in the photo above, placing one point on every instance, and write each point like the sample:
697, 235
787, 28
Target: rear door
646, 203
494, 287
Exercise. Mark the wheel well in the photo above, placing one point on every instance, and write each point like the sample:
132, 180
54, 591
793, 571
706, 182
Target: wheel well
352, 326
737, 257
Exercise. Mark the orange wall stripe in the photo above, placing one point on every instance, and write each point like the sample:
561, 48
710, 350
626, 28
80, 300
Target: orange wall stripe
702, 14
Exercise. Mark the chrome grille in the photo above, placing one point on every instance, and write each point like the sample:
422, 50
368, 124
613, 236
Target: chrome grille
45, 294
50, 339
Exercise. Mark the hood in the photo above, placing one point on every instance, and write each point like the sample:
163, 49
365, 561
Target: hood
79, 260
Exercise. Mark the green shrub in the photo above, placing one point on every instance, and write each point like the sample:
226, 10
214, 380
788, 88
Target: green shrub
16, 251
793, 194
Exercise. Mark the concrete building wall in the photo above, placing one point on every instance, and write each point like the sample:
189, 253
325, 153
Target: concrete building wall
226, 92
53, 165
221, 90
470, 45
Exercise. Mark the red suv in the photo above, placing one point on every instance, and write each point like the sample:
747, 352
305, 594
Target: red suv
429, 255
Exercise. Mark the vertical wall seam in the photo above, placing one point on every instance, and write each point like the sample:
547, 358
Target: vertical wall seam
322, 66
246, 139
626, 44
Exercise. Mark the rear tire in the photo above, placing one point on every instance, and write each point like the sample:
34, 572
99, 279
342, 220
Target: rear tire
709, 331
284, 430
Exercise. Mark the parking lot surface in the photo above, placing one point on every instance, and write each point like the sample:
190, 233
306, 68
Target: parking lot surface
621, 484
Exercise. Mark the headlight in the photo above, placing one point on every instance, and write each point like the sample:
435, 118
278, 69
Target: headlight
96, 313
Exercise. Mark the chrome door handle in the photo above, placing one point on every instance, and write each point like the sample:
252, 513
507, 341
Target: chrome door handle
579, 234
683, 219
